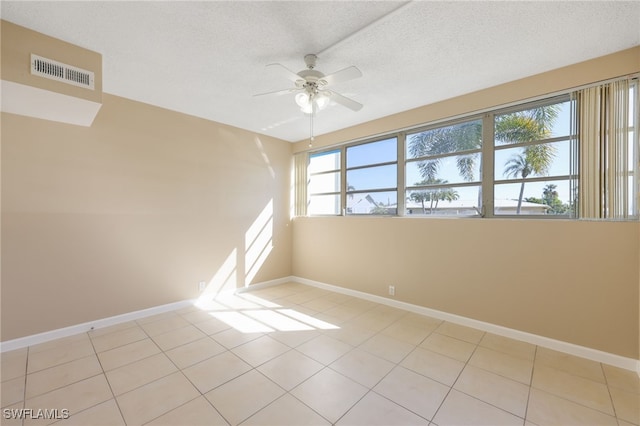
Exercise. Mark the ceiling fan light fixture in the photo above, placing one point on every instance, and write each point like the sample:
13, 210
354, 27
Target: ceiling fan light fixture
309, 102
302, 99
307, 109
321, 100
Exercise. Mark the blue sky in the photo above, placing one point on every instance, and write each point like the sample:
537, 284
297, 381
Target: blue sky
384, 176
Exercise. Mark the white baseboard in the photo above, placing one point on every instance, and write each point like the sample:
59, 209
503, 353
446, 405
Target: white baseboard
558, 345
35, 339
266, 284
59, 333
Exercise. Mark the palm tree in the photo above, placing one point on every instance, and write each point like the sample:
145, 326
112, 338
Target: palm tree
533, 160
526, 126
451, 139
448, 194
444, 140
523, 126
350, 188
421, 197
433, 195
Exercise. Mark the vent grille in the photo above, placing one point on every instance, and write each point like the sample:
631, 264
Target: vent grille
54, 70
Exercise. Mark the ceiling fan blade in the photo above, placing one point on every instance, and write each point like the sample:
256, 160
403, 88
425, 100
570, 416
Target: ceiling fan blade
343, 75
344, 101
286, 72
278, 92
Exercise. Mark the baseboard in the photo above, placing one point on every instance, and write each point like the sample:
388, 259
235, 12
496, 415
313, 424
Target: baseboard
35, 339
46, 336
558, 345
266, 284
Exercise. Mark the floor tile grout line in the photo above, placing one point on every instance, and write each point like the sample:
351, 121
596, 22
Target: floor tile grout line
62, 364
398, 404
524, 419
69, 384
130, 363
377, 331
308, 406
182, 405
201, 394
453, 384
576, 402
397, 364
533, 367
55, 366
124, 344
64, 386
285, 392
104, 373
371, 388
24, 392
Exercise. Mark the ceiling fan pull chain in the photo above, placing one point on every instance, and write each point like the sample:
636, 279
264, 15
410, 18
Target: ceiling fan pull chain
311, 124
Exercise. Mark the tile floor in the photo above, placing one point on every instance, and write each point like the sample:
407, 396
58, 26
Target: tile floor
298, 355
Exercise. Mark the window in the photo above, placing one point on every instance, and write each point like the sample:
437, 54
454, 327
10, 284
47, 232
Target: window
324, 183
372, 176
573, 156
443, 170
532, 158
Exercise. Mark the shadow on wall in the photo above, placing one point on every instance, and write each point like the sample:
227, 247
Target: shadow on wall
241, 266
243, 263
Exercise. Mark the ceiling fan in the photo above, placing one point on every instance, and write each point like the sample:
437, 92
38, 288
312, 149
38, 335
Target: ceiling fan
311, 86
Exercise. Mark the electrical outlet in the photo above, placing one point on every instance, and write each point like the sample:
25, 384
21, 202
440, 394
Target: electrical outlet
392, 290
202, 285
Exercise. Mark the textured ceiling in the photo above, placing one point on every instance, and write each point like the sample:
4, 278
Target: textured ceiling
208, 58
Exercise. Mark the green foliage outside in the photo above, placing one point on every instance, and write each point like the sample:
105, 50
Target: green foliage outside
515, 128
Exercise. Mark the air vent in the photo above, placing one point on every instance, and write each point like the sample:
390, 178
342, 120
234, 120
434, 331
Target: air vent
54, 70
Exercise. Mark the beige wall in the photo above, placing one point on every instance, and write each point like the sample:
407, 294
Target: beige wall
133, 212
573, 281
567, 280
598, 69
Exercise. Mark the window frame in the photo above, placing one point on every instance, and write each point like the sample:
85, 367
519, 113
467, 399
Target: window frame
440, 125
339, 170
487, 151
571, 138
346, 169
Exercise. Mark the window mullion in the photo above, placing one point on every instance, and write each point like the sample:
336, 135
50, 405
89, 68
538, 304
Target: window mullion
343, 180
488, 143
401, 141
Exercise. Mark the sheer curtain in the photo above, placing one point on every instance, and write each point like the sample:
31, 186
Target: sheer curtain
607, 151
300, 181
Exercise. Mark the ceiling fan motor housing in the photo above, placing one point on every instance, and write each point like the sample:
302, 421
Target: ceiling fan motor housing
310, 60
